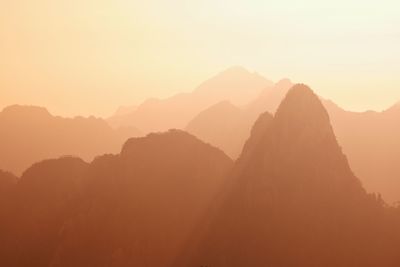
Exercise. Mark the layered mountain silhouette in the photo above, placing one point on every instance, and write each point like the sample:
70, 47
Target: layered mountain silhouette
235, 84
292, 200
369, 139
136, 208
228, 126
30, 134
169, 199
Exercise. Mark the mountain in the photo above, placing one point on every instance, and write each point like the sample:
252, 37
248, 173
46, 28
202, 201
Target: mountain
227, 120
42, 200
30, 134
292, 200
369, 139
236, 85
228, 127
7, 182
135, 208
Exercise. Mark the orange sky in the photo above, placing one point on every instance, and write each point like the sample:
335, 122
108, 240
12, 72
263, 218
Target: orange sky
89, 57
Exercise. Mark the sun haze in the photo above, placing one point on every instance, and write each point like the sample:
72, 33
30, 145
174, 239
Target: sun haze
89, 57
199, 133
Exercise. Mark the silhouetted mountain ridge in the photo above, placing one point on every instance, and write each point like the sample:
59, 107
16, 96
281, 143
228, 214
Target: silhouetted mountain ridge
292, 200
236, 85
30, 134
369, 138
120, 210
216, 124
43, 199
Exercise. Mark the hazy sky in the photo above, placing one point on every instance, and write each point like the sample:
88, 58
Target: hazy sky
88, 57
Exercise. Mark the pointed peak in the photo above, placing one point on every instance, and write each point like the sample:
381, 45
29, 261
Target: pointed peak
301, 90
303, 125
301, 104
297, 137
235, 84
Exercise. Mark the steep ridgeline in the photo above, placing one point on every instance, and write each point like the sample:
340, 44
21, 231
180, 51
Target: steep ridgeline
30, 134
369, 139
292, 200
136, 208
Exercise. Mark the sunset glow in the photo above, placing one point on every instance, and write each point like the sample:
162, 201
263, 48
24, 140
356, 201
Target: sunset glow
89, 57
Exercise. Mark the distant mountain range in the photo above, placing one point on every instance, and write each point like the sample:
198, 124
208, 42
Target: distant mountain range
29, 134
236, 85
228, 126
221, 111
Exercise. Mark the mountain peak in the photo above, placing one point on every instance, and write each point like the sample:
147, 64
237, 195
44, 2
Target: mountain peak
163, 143
291, 176
236, 84
239, 73
300, 94
300, 137
303, 108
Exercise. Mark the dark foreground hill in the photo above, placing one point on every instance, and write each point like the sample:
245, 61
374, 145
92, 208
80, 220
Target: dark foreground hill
292, 200
132, 209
